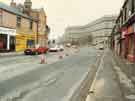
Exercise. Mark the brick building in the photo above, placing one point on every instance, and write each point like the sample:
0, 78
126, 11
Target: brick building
27, 27
42, 37
17, 30
124, 30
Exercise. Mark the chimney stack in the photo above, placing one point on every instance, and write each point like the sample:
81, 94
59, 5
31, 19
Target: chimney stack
13, 4
27, 6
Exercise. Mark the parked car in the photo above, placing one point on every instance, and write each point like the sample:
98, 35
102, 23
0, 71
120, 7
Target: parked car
35, 51
74, 46
54, 49
101, 47
94, 44
41, 50
68, 45
61, 48
30, 51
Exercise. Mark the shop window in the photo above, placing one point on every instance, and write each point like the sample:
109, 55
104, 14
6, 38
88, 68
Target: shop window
3, 42
30, 43
131, 45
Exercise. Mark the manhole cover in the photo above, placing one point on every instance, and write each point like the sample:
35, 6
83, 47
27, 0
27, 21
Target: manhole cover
131, 97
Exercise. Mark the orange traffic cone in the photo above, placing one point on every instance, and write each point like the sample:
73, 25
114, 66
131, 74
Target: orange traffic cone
60, 56
42, 59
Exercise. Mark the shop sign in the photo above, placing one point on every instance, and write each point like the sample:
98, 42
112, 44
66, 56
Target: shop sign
130, 29
7, 31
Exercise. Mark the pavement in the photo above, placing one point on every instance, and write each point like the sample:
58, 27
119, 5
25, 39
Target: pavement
11, 54
113, 81
126, 74
70, 78
105, 86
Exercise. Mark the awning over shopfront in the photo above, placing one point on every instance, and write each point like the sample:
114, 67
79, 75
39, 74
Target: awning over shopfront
7, 31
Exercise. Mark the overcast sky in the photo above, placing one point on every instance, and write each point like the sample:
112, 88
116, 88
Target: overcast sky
63, 13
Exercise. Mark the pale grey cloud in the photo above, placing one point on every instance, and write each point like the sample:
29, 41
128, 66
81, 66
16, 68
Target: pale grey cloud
62, 13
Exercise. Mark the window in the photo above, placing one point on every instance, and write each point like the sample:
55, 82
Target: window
30, 43
131, 44
125, 14
3, 41
121, 18
31, 24
129, 8
132, 3
18, 23
1, 13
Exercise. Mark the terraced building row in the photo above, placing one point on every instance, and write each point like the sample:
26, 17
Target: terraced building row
22, 27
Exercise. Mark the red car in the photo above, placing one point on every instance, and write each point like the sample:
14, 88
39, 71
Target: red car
34, 51
41, 50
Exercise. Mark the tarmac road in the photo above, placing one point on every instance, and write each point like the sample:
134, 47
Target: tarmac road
50, 82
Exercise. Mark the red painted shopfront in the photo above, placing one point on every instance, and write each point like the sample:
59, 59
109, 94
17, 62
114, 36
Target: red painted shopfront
130, 43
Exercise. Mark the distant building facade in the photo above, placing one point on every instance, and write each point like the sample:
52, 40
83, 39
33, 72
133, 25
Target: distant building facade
97, 31
43, 28
76, 35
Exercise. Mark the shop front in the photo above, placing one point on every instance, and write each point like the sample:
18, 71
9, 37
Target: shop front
24, 41
7, 39
130, 43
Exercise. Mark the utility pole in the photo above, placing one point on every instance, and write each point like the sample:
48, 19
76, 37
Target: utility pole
37, 35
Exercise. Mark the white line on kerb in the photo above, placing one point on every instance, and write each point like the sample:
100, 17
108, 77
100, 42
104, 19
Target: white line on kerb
99, 68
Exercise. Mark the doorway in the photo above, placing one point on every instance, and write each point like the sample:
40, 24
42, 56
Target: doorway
3, 42
12, 43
